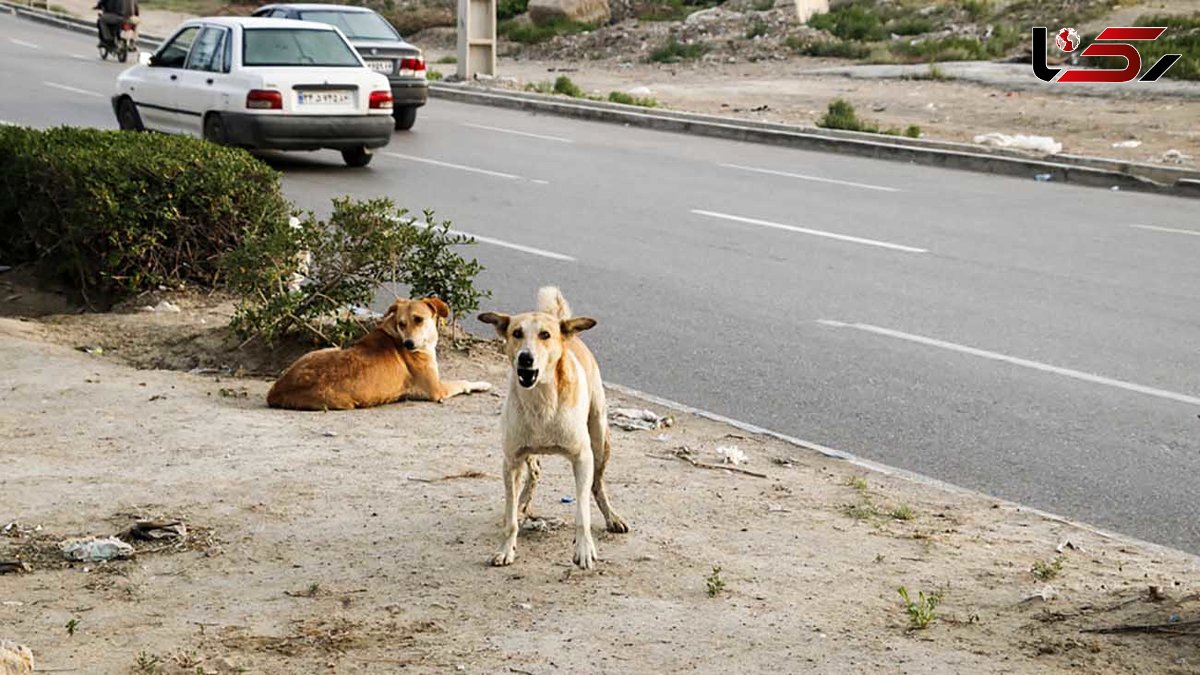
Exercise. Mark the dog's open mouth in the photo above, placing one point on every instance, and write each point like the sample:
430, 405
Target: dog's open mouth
527, 377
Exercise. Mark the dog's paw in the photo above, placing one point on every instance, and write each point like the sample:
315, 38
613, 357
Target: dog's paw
479, 387
617, 525
504, 557
585, 554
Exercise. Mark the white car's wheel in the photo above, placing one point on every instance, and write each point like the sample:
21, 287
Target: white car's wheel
214, 129
128, 118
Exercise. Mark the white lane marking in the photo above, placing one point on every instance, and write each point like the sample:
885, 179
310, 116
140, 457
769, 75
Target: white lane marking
1167, 229
80, 57
507, 244
23, 43
73, 90
557, 139
805, 230
460, 167
817, 179
1024, 363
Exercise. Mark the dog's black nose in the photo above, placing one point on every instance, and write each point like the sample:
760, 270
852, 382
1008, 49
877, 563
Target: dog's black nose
409, 344
525, 360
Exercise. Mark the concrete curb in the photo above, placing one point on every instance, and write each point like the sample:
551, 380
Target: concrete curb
1095, 172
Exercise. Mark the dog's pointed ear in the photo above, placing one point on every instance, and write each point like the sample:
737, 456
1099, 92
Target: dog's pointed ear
388, 323
569, 327
500, 321
439, 308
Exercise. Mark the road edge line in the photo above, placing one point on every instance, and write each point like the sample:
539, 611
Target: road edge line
892, 471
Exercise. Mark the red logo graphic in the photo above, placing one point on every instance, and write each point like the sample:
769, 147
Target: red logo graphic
1110, 42
1067, 40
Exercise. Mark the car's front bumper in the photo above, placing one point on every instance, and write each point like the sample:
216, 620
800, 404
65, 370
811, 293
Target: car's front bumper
307, 132
409, 94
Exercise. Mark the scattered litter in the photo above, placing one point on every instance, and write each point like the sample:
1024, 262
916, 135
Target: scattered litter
633, 419
163, 306
1044, 177
639, 91
1174, 618
1067, 544
329, 434
470, 473
777, 508
155, 530
781, 461
204, 371
662, 438
15, 659
542, 524
94, 549
1043, 144
1175, 156
93, 351
685, 453
731, 454
1045, 595
1127, 144
12, 603
525, 605
568, 500
13, 566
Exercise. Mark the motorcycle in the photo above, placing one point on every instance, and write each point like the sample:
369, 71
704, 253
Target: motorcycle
125, 42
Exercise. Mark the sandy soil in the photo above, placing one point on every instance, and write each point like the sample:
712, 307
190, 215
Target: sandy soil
356, 541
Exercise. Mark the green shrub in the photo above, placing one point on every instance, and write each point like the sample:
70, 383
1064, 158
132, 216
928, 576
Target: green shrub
841, 115
565, 86
449, 58
675, 51
530, 33
114, 213
433, 75
858, 21
840, 49
913, 131
507, 9
364, 245
757, 28
629, 99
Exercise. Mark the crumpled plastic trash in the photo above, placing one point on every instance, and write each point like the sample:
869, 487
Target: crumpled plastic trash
639, 91
1175, 156
1127, 144
1043, 177
95, 549
1047, 594
731, 454
633, 419
1043, 144
163, 306
155, 530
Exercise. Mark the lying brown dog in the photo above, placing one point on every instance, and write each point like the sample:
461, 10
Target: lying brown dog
397, 360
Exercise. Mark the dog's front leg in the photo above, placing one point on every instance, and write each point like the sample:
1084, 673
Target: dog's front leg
455, 387
512, 474
585, 548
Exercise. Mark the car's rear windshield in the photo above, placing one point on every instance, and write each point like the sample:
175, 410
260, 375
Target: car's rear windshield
296, 47
356, 25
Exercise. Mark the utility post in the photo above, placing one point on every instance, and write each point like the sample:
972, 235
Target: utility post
476, 38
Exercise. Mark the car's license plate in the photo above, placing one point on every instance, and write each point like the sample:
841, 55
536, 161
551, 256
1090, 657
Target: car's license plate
385, 67
324, 97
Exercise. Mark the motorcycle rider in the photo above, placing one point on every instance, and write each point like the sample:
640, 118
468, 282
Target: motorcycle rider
113, 14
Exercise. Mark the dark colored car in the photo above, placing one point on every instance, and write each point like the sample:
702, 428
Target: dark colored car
379, 44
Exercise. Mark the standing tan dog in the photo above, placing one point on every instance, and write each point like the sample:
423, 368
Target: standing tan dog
397, 360
555, 406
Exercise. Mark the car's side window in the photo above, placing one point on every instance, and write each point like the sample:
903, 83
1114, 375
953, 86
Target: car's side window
175, 53
209, 53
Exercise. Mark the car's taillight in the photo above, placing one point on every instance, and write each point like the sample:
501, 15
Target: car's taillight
264, 99
412, 63
380, 99
126, 26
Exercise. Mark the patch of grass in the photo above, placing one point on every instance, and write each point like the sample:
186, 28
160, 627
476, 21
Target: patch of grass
449, 58
433, 75
530, 33
841, 115
763, 5
1048, 570
863, 510
923, 610
859, 21
675, 51
913, 131
837, 49
664, 10
757, 28
713, 583
565, 86
629, 99
72, 626
507, 9
540, 87
147, 664
911, 25
858, 483
935, 72
903, 512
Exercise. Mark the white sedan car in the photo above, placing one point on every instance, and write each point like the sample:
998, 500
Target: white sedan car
261, 84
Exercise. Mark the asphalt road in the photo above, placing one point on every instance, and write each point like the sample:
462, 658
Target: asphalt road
1035, 341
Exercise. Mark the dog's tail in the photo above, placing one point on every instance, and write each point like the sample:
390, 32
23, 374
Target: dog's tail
552, 302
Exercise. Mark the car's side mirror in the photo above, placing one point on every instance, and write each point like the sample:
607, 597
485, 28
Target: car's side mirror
145, 59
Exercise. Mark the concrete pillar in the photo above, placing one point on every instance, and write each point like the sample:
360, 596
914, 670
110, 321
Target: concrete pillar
806, 8
476, 38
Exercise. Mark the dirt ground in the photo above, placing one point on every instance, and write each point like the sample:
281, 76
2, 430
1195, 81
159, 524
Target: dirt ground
355, 542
